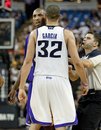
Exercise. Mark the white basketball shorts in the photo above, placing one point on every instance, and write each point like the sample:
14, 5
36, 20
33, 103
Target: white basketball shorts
52, 101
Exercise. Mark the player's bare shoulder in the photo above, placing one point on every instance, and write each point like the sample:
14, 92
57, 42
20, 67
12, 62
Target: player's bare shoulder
68, 35
33, 32
33, 35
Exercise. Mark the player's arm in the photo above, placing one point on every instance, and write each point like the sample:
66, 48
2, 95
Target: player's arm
12, 93
16, 84
28, 59
73, 74
70, 41
26, 67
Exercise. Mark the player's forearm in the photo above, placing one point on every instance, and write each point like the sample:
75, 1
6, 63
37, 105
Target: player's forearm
24, 74
81, 72
73, 75
16, 84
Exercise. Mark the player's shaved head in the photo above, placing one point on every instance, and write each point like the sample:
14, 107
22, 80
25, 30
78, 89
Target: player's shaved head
40, 10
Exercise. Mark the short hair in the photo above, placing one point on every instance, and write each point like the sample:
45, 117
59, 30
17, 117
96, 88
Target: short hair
53, 12
97, 37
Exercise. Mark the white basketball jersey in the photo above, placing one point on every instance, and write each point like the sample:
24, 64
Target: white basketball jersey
51, 52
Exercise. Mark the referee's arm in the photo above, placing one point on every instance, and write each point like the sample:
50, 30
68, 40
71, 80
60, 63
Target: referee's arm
92, 62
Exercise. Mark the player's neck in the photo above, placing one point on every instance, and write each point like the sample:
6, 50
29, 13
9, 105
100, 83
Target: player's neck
52, 23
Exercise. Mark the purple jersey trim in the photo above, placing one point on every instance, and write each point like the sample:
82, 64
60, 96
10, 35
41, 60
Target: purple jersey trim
30, 76
28, 120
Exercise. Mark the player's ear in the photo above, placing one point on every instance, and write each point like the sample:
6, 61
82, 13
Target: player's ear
96, 44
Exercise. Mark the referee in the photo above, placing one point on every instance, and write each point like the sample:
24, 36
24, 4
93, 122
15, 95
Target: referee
89, 106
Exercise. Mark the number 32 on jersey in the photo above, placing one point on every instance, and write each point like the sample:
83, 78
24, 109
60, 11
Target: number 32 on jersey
43, 51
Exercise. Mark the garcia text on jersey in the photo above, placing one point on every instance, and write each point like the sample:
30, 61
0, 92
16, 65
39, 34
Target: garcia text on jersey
49, 35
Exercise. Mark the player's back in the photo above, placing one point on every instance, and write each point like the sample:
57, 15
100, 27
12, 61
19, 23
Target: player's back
51, 52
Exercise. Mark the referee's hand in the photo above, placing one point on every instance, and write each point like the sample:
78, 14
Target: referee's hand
1, 81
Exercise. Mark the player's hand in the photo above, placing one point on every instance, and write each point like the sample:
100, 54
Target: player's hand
22, 97
70, 68
12, 96
70, 60
1, 81
84, 90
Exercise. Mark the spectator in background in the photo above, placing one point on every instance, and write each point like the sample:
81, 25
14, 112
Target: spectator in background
64, 21
96, 23
8, 3
1, 81
83, 29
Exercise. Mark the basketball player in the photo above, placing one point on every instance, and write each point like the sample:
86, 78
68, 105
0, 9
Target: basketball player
38, 20
51, 98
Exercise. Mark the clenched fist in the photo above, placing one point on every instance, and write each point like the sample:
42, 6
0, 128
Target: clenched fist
1, 81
